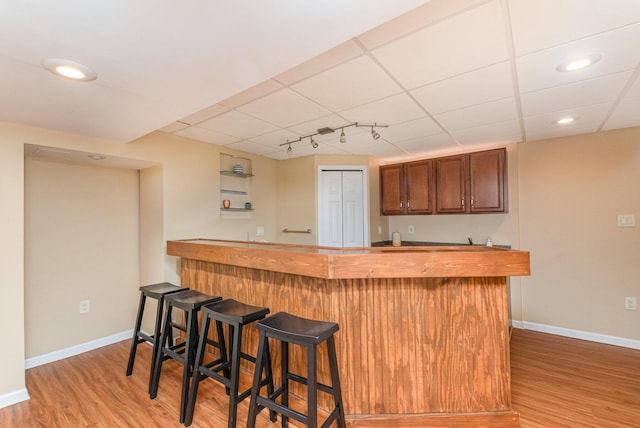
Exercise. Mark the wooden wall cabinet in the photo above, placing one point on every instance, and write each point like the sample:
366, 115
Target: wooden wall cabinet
407, 188
472, 183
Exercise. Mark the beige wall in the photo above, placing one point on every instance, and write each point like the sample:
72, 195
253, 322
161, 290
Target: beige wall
81, 243
179, 198
12, 384
298, 195
583, 265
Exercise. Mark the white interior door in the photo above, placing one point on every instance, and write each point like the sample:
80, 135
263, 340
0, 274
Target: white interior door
342, 220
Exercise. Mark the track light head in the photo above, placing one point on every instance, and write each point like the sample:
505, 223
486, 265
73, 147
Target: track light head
374, 134
289, 150
343, 138
314, 144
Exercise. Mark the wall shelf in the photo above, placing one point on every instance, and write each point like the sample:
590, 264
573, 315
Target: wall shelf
234, 192
235, 174
235, 183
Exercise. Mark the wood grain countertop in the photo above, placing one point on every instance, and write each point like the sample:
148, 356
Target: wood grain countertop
352, 263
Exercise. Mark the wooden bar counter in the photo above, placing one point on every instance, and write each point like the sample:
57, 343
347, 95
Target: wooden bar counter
423, 339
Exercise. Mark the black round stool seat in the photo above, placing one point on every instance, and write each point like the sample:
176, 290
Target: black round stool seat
288, 328
159, 292
226, 369
189, 302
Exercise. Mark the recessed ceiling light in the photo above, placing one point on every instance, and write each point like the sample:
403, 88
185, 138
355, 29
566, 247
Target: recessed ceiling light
565, 120
576, 64
96, 157
69, 69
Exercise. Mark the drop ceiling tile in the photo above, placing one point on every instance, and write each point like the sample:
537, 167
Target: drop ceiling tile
274, 139
388, 111
427, 144
634, 90
494, 133
341, 53
332, 121
205, 114
588, 119
478, 115
586, 92
353, 83
625, 115
464, 42
206, 135
381, 149
173, 127
538, 70
238, 125
284, 108
253, 93
420, 17
250, 147
413, 129
476, 87
566, 20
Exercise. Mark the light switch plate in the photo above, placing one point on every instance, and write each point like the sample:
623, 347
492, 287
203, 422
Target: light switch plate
626, 220
259, 231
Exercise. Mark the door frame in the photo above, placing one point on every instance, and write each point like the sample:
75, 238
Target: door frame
365, 196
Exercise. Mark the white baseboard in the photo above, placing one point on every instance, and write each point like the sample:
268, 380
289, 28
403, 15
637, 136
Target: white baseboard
14, 397
577, 334
77, 349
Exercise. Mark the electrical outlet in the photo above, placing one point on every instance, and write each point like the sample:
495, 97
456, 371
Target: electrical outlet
411, 229
259, 231
85, 306
630, 303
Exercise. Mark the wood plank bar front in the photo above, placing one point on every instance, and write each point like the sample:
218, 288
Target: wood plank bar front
414, 348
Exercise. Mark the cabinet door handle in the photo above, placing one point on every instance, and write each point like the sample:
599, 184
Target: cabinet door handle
472, 202
408, 204
400, 204
462, 202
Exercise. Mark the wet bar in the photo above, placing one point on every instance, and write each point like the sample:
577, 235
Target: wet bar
423, 339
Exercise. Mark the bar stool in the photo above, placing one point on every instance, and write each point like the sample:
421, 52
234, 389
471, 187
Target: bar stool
308, 333
226, 369
159, 292
190, 302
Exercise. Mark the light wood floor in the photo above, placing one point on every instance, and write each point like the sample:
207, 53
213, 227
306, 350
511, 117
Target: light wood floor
556, 382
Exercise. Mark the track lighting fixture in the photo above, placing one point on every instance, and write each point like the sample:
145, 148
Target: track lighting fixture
327, 130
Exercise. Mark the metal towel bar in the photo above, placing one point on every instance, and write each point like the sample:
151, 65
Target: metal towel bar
296, 231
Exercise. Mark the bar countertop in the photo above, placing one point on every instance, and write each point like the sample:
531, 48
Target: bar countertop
350, 263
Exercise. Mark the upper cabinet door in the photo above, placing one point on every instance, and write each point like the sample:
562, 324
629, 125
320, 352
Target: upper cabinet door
420, 187
451, 184
392, 190
487, 184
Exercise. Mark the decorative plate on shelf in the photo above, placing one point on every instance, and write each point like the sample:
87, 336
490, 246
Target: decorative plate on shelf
238, 169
